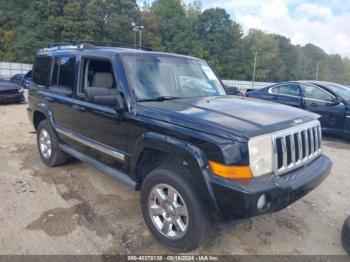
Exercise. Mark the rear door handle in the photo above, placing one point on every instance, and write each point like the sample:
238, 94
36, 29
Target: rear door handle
81, 108
314, 104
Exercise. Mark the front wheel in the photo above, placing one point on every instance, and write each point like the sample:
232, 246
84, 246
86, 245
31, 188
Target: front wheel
172, 210
48, 145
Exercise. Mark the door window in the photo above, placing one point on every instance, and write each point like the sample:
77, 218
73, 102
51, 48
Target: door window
97, 74
314, 92
63, 74
41, 71
290, 90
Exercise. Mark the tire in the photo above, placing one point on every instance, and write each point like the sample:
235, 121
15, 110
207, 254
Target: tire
190, 231
54, 156
346, 235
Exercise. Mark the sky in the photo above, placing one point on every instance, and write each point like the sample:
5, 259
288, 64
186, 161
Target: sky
325, 23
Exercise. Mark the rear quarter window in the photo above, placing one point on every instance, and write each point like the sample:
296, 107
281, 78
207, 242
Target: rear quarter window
42, 70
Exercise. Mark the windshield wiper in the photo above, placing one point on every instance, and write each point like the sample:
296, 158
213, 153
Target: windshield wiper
158, 99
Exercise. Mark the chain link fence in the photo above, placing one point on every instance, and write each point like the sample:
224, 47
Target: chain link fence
244, 85
7, 70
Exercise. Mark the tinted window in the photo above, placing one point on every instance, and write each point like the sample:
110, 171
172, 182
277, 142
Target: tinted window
315, 92
41, 72
291, 90
56, 65
63, 74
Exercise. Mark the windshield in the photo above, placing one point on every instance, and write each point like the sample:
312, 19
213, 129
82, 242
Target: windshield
340, 90
153, 77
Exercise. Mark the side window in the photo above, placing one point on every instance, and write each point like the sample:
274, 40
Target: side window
41, 70
290, 90
314, 92
63, 73
275, 90
97, 74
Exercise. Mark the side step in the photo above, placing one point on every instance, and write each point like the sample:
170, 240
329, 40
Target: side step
122, 177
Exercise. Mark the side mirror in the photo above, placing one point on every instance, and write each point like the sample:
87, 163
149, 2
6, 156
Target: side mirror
232, 90
103, 96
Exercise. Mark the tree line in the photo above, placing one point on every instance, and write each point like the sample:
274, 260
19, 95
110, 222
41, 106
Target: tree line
169, 25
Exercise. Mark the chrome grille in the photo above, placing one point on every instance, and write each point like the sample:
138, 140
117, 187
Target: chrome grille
296, 146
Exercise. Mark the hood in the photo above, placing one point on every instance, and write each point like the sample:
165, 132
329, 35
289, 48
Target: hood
8, 86
230, 117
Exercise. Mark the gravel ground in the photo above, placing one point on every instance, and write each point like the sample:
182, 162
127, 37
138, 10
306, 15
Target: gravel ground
74, 209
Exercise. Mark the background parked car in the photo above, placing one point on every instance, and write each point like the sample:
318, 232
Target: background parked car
11, 92
18, 79
330, 100
27, 79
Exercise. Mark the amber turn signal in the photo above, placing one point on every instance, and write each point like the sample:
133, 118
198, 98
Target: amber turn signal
231, 172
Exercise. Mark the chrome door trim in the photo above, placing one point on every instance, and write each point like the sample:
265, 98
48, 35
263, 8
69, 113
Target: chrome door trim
318, 100
91, 143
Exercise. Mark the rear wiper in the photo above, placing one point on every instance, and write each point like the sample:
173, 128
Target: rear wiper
158, 99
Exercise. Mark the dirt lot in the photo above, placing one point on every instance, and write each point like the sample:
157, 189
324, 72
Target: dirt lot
74, 209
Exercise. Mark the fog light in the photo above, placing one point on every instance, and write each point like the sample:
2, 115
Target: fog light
261, 202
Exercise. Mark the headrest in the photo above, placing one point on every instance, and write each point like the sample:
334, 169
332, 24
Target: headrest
103, 80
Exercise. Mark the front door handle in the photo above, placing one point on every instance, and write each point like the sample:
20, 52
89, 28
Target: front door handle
314, 104
81, 108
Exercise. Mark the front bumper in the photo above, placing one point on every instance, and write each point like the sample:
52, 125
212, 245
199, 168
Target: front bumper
239, 200
10, 98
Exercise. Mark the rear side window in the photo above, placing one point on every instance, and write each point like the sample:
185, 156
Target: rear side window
63, 74
290, 90
41, 71
275, 89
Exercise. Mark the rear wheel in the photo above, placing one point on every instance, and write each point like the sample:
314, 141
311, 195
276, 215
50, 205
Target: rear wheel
172, 210
48, 145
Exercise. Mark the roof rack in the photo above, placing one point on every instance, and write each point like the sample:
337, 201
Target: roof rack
113, 44
88, 44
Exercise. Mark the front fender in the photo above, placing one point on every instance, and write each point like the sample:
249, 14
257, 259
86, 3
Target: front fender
195, 157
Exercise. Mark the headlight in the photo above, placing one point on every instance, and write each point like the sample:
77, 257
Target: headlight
261, 155
21, 90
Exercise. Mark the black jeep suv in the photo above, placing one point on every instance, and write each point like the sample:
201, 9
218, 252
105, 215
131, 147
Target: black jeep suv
164, 124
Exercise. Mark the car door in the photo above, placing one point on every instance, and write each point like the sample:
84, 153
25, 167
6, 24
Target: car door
61, 89
99, 128
319, 101
289, 94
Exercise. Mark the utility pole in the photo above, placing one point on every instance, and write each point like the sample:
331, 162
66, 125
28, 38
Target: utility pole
140, 43
138, 28
317, 70
254, 71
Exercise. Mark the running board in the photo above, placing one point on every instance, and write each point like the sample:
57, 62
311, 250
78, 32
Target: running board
122, 177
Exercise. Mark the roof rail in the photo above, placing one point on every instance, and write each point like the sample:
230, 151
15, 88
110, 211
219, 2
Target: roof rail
88, 44
113, 44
